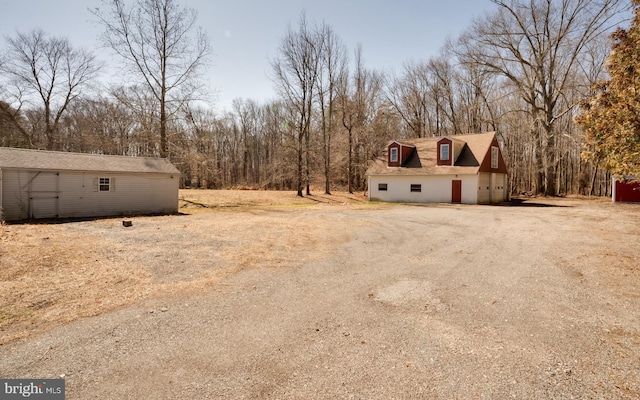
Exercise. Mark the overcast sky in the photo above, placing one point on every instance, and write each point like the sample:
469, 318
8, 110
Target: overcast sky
245, 34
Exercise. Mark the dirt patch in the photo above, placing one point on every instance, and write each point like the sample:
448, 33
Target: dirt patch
53, 274
340, 299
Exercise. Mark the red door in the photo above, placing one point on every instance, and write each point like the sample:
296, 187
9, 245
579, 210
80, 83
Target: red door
456, 191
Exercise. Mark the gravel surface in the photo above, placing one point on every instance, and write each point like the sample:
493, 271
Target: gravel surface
438, 302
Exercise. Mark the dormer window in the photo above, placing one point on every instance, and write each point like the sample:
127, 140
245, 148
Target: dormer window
444, 152
393, 157
398, 153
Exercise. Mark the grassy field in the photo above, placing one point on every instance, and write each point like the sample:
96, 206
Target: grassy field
51, 274
191, 199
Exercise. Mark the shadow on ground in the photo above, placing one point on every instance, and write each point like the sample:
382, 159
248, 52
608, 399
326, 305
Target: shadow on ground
520, 202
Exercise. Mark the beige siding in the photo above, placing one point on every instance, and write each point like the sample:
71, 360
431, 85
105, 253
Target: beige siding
484, 188
77, 195
15, 201
435, 189
498, 194
44, 195
492, 188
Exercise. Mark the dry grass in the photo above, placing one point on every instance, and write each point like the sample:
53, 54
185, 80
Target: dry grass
49, 277
191, 199
51, 274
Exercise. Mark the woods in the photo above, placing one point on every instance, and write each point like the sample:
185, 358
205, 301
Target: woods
610, 115
520, 70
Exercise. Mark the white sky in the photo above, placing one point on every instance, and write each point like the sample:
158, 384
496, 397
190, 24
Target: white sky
246, 34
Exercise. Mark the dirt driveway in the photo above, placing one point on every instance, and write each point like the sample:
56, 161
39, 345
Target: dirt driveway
339, 301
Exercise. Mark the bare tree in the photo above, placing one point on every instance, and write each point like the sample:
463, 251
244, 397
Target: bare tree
295, 74
161, 46
536, 45
358, 94
351, 113
141, 105
247, 117
333, 69
408, 94
12, 127
46, 72
442, 81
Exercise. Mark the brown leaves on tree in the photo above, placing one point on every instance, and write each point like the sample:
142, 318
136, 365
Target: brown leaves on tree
611, 116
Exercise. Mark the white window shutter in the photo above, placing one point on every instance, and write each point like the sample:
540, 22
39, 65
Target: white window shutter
112, 184
96, 182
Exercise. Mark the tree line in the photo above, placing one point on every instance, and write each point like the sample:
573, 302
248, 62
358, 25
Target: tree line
520, 70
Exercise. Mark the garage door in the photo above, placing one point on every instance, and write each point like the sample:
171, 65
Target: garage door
44, 194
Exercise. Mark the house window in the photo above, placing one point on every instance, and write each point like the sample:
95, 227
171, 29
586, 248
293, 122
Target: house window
394, 154
444, 152
416, 187
104, 185
494, 157
382, 187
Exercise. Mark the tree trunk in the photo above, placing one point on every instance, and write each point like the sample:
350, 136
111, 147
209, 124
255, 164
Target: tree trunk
163, 128
551, 184
300, 139
593, 181
307, 163
350, 163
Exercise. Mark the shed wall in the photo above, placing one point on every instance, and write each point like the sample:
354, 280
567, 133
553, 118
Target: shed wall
435, 188
484, 188
499, 187
77, 196
626, 191
492, 188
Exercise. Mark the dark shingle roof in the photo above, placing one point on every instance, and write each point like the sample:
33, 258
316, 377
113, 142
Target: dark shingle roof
59, 161
426, 156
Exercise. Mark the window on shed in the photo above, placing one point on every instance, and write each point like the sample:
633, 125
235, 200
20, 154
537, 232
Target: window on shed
444, 152
416, 187
382, 187
394, 154
494, 157
104, 185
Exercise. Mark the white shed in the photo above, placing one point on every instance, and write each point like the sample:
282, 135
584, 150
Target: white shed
454, 169
50, 184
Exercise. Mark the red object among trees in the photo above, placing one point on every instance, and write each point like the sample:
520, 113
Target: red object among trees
626, 191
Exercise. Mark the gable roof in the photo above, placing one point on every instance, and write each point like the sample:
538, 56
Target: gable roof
424, 159
59, 161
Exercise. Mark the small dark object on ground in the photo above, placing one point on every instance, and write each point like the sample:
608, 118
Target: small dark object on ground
127, 223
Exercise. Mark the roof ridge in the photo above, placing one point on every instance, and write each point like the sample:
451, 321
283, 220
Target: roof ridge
436, 138
78, 153
19, 158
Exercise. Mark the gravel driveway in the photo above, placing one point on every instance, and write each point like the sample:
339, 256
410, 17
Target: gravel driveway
437, 302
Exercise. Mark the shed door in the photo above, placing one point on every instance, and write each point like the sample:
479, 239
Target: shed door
44, 195
456, 191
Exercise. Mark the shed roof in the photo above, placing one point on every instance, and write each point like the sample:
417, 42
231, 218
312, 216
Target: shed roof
424, 159
13, 158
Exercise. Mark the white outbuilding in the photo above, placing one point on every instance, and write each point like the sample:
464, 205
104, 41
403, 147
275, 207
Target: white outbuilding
50, 184
453, 169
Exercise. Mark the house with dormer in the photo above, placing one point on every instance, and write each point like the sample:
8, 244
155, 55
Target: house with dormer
467, 169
